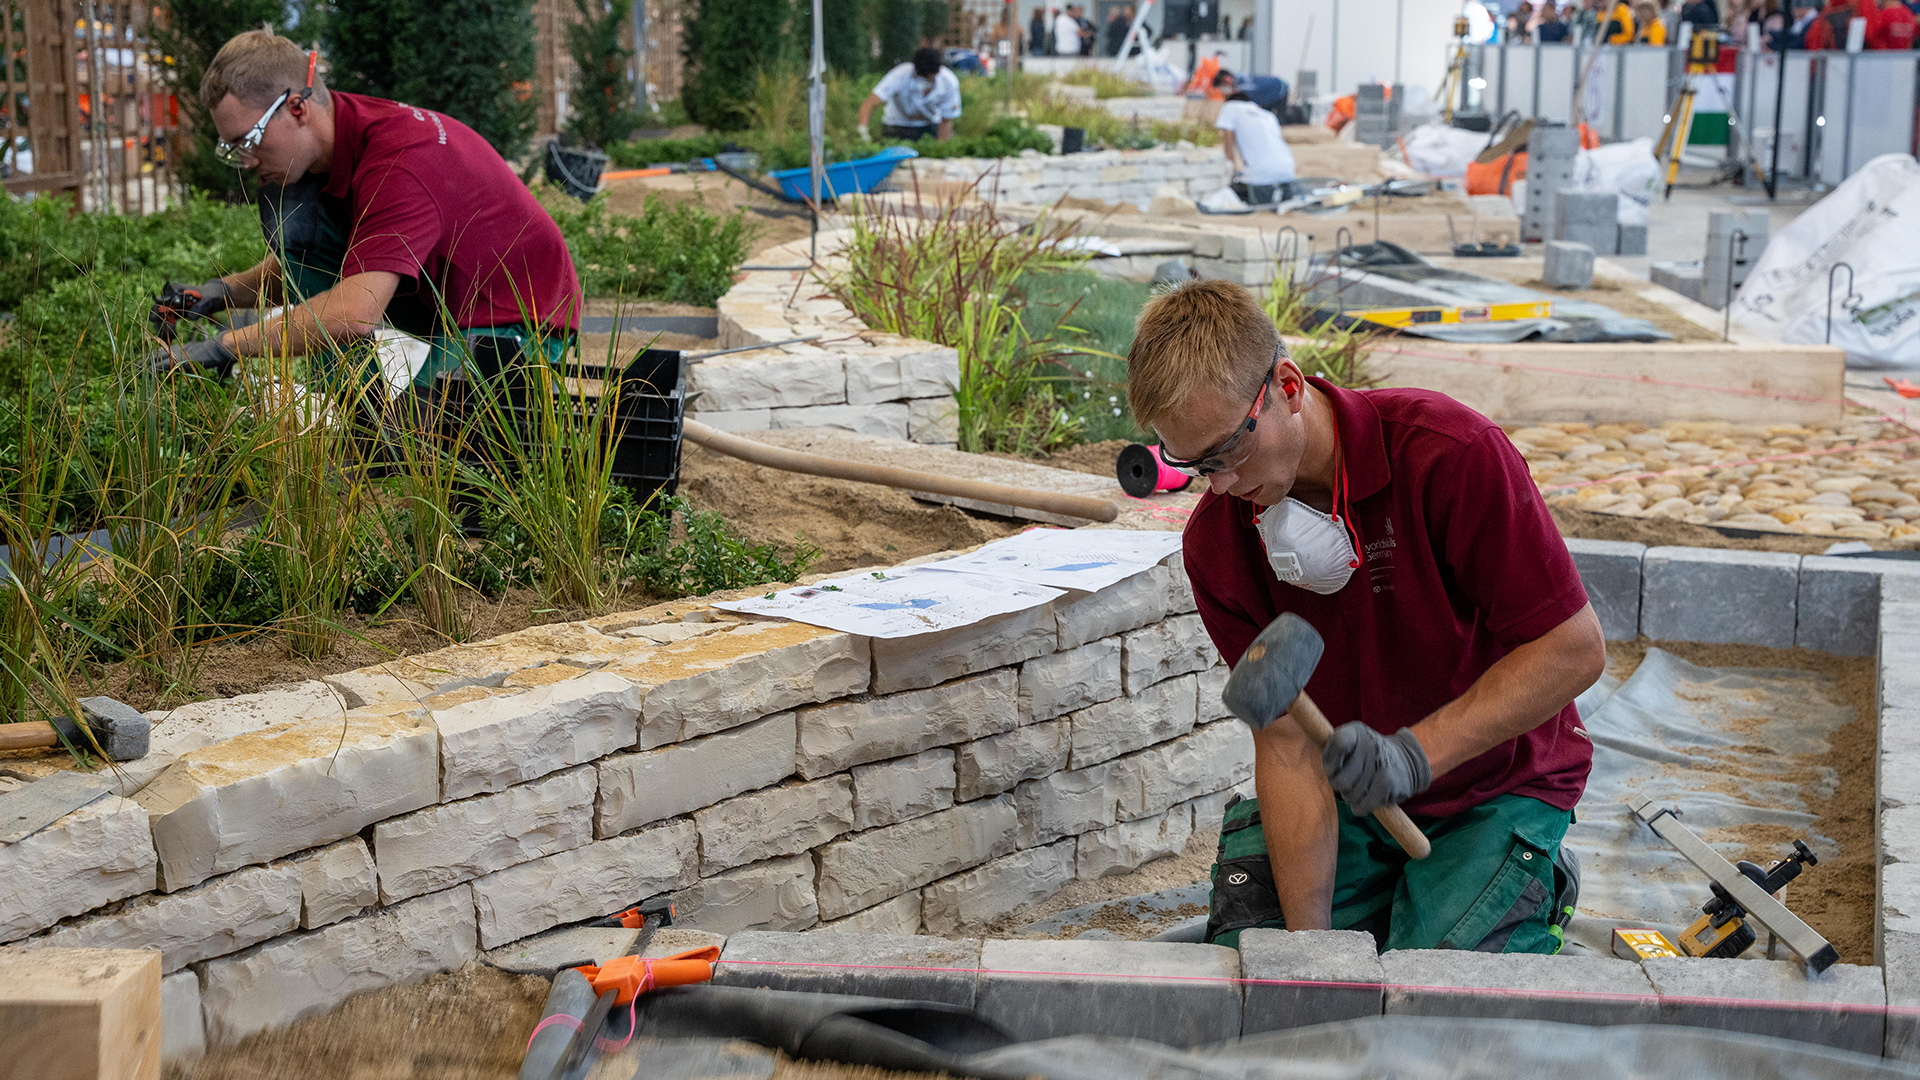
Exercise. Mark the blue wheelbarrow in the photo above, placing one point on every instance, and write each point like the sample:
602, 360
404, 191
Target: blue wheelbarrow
845, 178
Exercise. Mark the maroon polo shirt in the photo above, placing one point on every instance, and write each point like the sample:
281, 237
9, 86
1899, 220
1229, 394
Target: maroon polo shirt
1460, 563
432, 202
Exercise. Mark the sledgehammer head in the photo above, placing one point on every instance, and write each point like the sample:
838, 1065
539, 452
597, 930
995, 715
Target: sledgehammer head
120, 729
1273, 670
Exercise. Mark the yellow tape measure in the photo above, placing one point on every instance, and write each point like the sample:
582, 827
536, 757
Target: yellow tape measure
1397, 317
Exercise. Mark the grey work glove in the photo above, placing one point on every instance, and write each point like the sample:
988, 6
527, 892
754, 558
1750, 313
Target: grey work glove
178, 301
1370, 770
211, 357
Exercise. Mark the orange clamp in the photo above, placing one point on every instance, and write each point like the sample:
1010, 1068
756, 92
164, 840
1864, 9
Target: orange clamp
634, 975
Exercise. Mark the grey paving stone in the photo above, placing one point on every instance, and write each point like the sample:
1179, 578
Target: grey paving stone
1314, 957
1719, 595
1900, 953
1838, 609
1110, 988
1610, 569
881, 954
1598, 991
1844, 1007
1567, 265
1632, 240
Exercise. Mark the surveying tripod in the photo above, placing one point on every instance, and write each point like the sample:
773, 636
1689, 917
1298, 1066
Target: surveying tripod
1703, 58
1451, 84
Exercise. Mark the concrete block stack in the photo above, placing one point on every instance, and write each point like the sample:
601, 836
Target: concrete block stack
1372, 123
1735, 240
1551, 150
1589, 218
772, 775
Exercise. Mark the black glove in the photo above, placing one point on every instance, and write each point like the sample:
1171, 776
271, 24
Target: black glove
1371, 770
210, 357
178, 301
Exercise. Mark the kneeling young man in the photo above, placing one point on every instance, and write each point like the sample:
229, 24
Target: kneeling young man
1405, 528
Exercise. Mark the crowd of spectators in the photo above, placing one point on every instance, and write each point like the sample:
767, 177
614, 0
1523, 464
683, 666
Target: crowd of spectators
1784, 24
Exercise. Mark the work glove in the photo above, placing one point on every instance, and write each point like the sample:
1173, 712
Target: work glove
210, 357
1370, 770
178, 301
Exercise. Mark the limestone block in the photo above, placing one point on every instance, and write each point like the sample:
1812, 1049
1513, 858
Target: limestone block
900, 915
1168, 648
1211, 759
95, 855
1313, 959
1518, 986
1900, 955
1210, 810
773, 895
720, 681
908, 787
1127, 605
310, 972
1194, 1003
1124, 847
1900, 784
1844, 1007
864, 965
1210, 705
837, 736
781, 820
933, 421
1179, 589
203, 723
887, 419
767, 378
1058, 683
1152, 715
653, 785
492, 745
585, 883
443, 845
284, 789
734, 419
221, 916
1837, 609
910, 663
896, 372
80, 1014
374, 686
183, 1035
489, 662
996, 889
1610, 569
860, 871
1719, 595
336, 882
1066, 804
995, 764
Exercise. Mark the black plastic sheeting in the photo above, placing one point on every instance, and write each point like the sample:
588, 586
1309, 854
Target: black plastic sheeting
926, 1036
1386, 275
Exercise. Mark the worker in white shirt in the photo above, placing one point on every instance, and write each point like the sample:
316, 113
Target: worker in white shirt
922, 98
1066, 34
1250, 135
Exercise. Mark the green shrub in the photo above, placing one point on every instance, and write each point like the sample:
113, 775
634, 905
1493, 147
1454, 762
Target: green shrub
726, 44
600, 108
671, 251
191, 33
708, 557
640, 153
1106, 84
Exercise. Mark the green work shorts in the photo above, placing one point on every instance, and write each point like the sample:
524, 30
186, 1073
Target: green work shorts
1489, 886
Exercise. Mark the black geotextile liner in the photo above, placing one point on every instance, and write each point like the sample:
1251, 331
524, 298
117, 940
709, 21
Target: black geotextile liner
926, 1036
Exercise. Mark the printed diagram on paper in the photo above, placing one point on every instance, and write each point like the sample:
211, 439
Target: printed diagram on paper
1084, 559
888, 604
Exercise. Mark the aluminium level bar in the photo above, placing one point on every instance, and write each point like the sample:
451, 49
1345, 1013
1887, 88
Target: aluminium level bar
1813, 949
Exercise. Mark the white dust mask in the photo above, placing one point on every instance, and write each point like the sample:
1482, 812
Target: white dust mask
1306, 547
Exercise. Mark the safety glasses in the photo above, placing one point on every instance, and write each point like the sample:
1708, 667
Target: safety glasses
239, 152
1215, 460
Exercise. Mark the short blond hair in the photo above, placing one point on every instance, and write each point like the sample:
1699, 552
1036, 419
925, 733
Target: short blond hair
256, 67
1199, 335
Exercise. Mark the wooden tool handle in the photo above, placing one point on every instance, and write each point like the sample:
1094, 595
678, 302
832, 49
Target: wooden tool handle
27, 735
1395, 820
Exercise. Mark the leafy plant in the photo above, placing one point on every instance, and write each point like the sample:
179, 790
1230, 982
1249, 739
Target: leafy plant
1106, 83
670, 251
600, 108
726, 44
710, 556
946, 272
190, 34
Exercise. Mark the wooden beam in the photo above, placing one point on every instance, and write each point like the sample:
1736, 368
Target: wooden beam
80, 1014
1532, 382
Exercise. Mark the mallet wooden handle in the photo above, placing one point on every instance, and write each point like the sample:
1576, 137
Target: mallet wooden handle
27, 735
1395, 820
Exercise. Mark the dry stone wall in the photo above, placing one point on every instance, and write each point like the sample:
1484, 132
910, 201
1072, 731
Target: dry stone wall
1113, 176
775, 776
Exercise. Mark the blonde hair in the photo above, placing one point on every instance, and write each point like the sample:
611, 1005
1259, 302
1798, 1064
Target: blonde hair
256, 67
1199, 335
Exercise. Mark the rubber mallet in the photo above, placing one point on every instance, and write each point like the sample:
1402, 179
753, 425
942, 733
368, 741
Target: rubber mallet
122, 732
1271, 680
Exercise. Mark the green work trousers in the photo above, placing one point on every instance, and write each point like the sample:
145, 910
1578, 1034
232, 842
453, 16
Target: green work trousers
1490, 884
